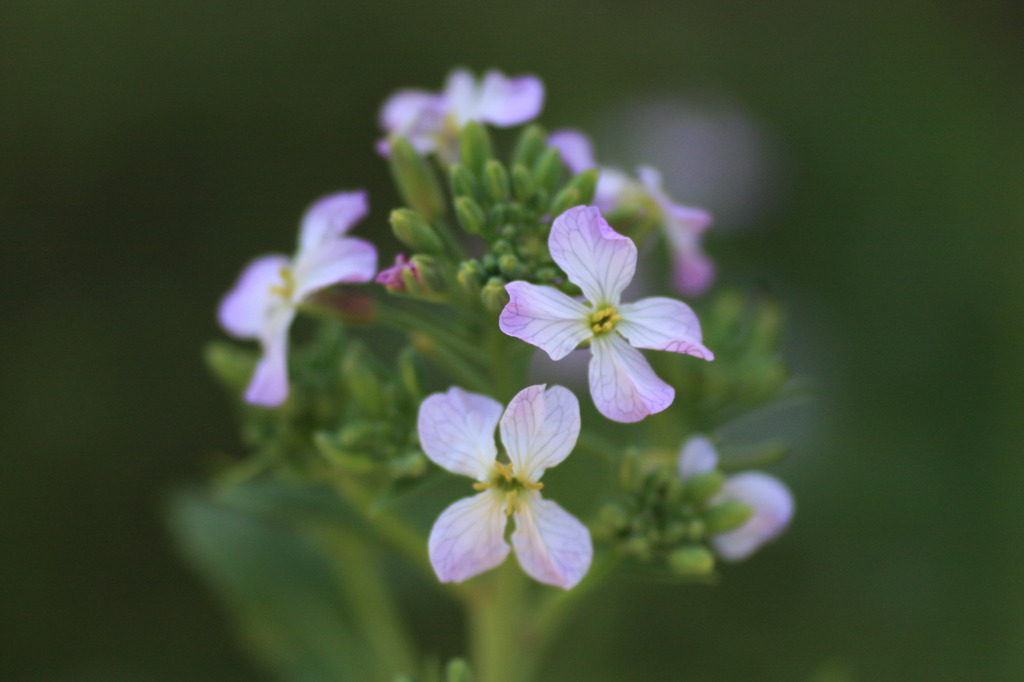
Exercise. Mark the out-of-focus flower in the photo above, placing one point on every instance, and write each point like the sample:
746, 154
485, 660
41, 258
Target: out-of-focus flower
263, 301
431, 121
683, 226
391, 277
538, 430
766, 495
601, 262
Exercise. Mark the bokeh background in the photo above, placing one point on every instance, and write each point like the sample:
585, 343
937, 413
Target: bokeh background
866, 163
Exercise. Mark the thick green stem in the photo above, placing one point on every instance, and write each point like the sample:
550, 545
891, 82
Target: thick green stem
496, 617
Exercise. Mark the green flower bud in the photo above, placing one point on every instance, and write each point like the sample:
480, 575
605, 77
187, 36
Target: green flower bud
523, 186
409, 464
414, 231
546, 274
511, 267
428, 274
674, 532
489, 261
474, 148
548, 171
457, 670
614, 516
692, 561
585, 183
496, 180
564, 200
502, 247
701, 488
727, 516
494, 295
416, 180
638, 547
508, 232
696, 529
409, 373
232, 365
470, 215
461, 181
471, 276
496, 214
362, 382
531, 144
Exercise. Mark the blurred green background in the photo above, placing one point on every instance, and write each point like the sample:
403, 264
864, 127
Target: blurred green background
150, 149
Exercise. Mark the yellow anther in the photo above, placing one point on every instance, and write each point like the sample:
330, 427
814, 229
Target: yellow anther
284, 290
505, 470
604, 320
483, 485
533, 486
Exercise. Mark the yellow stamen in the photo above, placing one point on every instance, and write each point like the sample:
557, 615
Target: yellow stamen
284, 290
484, 485
533, 486
506, 470
604, 320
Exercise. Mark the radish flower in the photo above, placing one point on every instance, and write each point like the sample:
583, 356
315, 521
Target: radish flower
431, 121
683, 226
538, 430
601, 262
766, 495
263, 301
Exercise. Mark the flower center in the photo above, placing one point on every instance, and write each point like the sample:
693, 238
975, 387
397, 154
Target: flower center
505, 481
604, 320
286, 285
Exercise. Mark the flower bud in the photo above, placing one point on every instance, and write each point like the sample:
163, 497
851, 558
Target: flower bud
408, 465
522, 183
614, 516
362, 382
511, 267
727, 516
692, 561
702, 487
494, 295
548, 170
546, 274
585, 183
470, 215
427, 273
471, 276
531, 144
231, 364
474, 148
496, 180
564, 200
415, 232
461, 181
457, 670
415, 180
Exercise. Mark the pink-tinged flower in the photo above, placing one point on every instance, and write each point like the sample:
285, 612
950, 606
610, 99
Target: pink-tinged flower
391, 277
431, 121
263, 301
683, 226
601, 262
538, 430
766, 495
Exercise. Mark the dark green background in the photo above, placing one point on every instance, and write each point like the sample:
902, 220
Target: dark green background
149, 149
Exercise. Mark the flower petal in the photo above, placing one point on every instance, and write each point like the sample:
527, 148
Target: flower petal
551, 544
622, 383
662, 324
509, 101
693, 272
457, 431
269, 384
329, 218
341, 260
461, 97
596, 258
613, 188
575, 149
468, 537
416, 115
545, 317
540, 428
243, 310
773, 508
697, 457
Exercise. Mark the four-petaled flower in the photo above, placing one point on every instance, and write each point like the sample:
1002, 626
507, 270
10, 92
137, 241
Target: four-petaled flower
684, 226
602, 262
431, 121
263, 301
538, 430
766, 495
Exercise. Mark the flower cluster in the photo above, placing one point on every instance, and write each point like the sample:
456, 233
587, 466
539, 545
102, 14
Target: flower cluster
542, 258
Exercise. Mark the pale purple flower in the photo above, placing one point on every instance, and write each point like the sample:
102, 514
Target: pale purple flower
431, 121
683, 226
538, 430
263, 301
766, 495
601, 262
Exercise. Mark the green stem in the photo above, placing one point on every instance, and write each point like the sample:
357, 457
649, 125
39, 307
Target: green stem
371, 603
496, 616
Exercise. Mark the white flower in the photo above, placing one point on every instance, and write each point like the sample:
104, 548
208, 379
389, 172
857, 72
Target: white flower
430, 121
539, 430
263, 301
602, 262
766, 495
